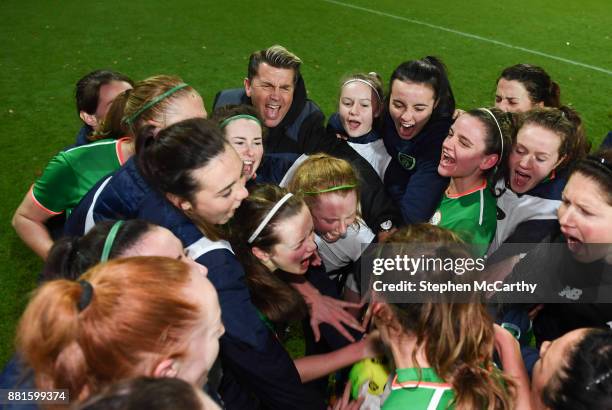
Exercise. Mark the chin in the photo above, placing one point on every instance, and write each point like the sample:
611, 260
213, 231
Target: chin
330, 240
442, 172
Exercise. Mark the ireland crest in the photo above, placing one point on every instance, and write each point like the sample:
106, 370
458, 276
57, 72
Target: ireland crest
407, 161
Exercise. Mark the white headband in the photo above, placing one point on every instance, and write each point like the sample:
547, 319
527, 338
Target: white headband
501, 134
352, 80
269, 216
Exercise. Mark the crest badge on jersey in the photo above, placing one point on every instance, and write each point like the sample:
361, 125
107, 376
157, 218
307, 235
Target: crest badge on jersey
407, 161
436, 218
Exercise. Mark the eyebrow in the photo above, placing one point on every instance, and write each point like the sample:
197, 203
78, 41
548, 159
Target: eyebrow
466, 140
301, 241
228, 187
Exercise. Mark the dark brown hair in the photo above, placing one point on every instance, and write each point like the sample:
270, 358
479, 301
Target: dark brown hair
431, 71
598, 168
493, 140
167, 160
564, 122
540, 87
87, 90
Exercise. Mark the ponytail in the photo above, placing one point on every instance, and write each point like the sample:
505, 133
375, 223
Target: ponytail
540, 87
79, 340
47, 336
69, 258
553, 97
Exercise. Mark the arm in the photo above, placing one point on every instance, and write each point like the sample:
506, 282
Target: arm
316, 366
510, 355
265, 376
29, 223
423, 193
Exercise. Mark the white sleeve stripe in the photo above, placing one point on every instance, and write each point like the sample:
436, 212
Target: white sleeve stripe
291, 171
89, 219
205, 245
435, 400
481, 206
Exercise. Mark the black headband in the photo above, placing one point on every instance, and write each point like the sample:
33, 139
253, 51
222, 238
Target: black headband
599, 162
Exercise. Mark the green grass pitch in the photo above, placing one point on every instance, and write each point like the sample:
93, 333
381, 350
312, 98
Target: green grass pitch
48, 45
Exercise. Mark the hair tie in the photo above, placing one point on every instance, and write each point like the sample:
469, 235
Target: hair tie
598, 380
501, 134
110, 238
334, 188
269, 216
600, 163
237, 117
131, 118
86, 294
368, 83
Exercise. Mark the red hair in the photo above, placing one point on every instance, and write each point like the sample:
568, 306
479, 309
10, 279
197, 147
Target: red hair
138, 314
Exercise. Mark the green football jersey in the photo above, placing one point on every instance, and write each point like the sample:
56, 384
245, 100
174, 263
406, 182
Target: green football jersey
472, 215
428, 392
72, 173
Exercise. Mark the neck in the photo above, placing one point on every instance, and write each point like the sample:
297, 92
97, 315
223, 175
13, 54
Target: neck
536, 400
269, 265
403, 348
459, 185
127, 149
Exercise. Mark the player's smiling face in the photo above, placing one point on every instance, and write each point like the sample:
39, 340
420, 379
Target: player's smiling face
533, 157
271, 92
245, 135
296, 247
512, 96
333, 213
357, 108
410, 106
463, 150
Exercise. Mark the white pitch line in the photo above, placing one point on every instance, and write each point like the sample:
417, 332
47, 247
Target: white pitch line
474, 36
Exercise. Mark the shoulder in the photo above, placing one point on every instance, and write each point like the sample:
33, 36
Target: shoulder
230, 96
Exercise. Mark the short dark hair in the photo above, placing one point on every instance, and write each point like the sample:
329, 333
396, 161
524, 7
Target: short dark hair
540, 87
87, 91
275, 56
